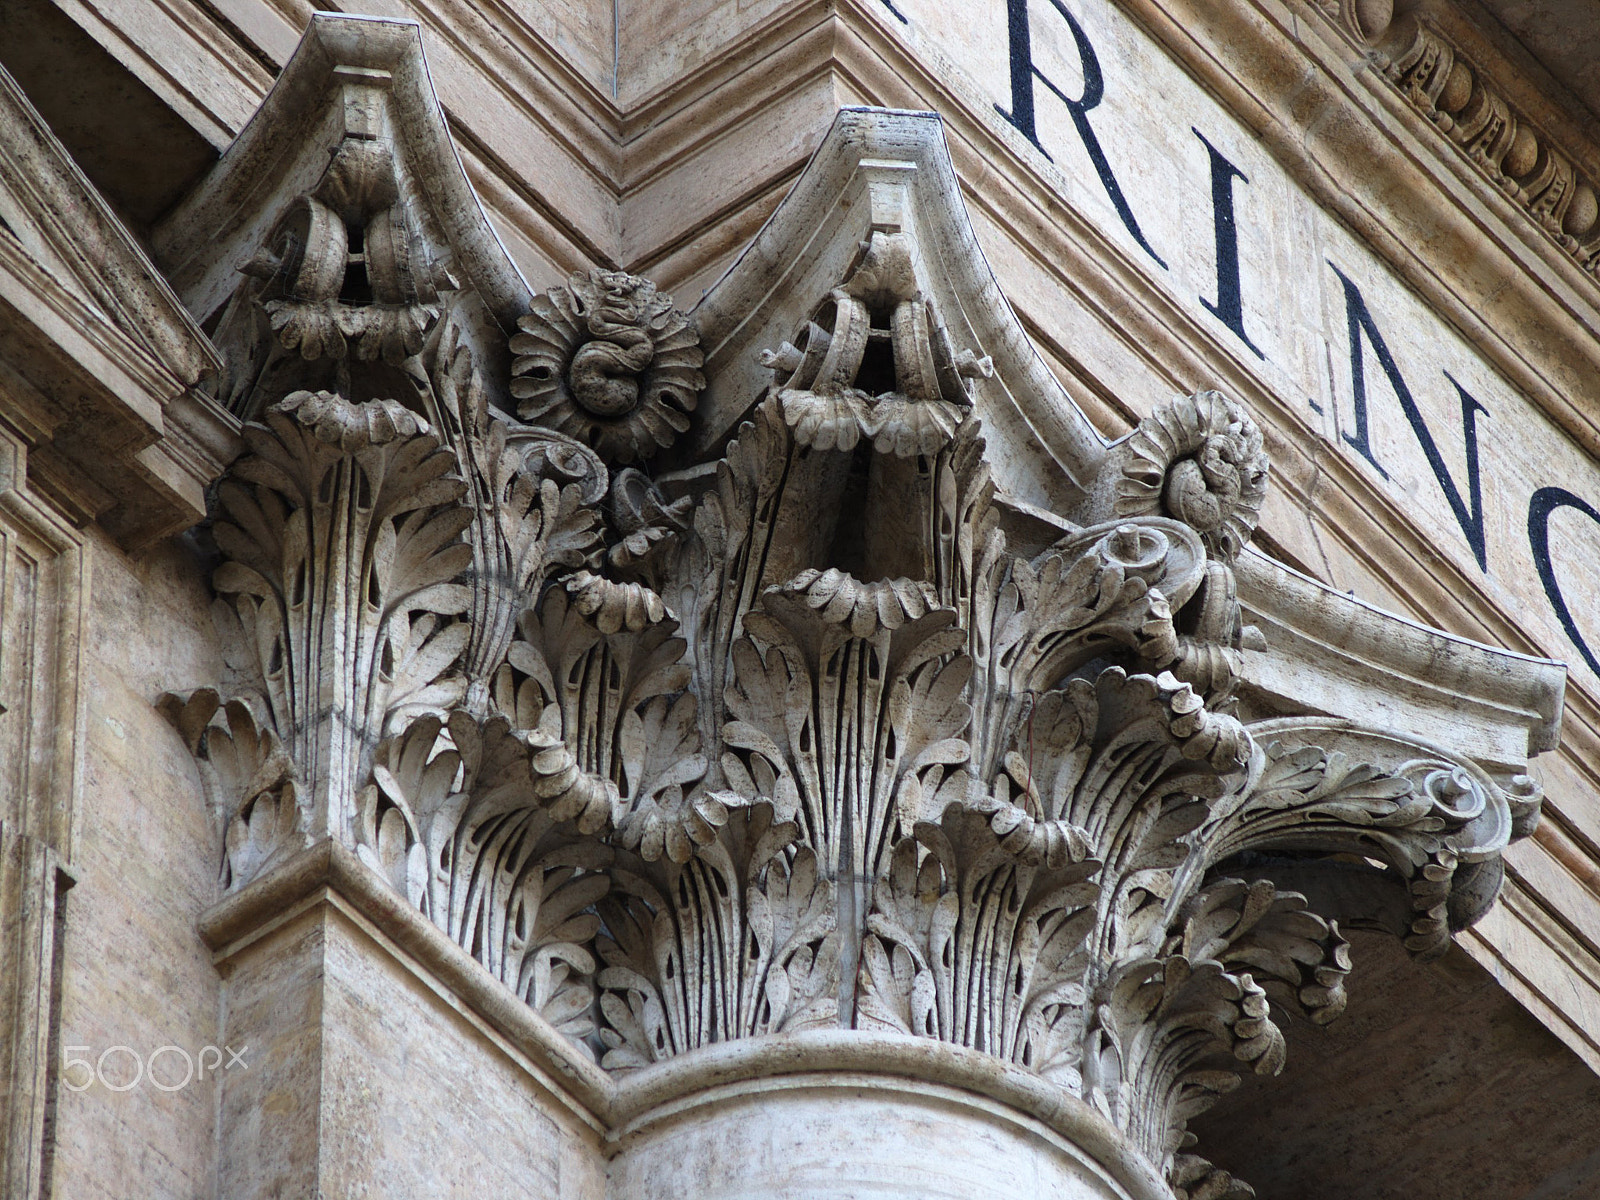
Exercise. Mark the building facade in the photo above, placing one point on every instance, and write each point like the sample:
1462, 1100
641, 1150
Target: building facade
800, 598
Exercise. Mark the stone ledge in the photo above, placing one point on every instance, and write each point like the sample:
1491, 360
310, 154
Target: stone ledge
330, 873
1444, 66
627, 1105
103, 361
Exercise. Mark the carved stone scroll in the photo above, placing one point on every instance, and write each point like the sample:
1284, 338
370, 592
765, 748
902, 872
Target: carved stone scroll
344, 287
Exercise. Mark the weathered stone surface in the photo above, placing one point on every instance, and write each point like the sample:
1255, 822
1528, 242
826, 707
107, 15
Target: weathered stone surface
362, 1075
632, 733
852, 718
826, 1136
103, 362
139, 153
1399, 1091
150, 983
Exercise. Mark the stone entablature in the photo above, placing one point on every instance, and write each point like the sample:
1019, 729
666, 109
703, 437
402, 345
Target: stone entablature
722, 694
104, 365
1470, 106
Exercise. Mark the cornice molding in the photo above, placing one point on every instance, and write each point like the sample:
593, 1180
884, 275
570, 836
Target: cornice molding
1478, 264
109, 360
1550, 179
201, 71
67, 220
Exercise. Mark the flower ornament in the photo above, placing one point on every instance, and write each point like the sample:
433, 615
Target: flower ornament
1199, 459
607, 360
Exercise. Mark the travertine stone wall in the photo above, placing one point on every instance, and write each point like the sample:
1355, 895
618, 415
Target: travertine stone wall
136, 974
366, 1078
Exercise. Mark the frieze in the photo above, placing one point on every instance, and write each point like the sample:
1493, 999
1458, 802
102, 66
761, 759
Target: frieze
1438, 422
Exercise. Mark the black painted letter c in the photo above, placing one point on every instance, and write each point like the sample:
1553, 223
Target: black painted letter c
1545, 501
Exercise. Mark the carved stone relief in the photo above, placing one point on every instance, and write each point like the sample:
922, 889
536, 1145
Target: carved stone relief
688, 741
806, 736
343, 288
1470, 108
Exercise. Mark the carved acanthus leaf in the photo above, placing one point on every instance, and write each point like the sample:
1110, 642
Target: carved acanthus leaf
1128, 764
533, 492
1272, 934
1193, 1178
586, 664
971, 943
1334, 787
1035, 622
734, 526
250, 780
460, 820
342, 534
1166, 1026
1161, 1040
847, 697
738, 941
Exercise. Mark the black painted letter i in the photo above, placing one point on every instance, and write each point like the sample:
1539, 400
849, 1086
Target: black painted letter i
1229, 308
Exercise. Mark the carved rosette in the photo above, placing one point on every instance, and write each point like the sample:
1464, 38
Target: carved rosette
607, 360
808, 742
1199, 460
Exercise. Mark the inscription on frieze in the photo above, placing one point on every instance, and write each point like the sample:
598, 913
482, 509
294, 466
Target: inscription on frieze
823, 734
1164, 169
